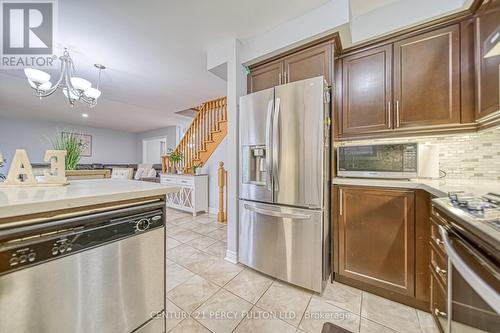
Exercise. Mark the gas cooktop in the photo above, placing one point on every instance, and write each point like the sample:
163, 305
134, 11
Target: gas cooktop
485, 208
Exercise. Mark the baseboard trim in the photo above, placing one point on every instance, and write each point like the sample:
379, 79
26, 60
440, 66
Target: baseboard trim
212, 210
231, 256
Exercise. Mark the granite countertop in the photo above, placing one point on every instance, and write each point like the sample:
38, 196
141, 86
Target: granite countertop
79, 193
436, 187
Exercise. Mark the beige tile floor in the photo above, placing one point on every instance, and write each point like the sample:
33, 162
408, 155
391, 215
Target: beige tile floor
209, 294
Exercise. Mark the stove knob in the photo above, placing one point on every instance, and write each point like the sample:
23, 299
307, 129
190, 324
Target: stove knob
14, 261
142, 224
31, 257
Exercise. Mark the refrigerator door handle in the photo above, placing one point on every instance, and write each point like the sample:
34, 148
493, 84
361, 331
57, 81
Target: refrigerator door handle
268, 146
277, 214
276, 143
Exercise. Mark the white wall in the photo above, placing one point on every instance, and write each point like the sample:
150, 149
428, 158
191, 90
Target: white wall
108, 146
320, 21
169, 132
398, 15
211, 168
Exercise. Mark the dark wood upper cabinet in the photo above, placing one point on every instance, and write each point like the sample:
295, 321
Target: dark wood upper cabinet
427, 79
367, 91
377, 238
265, 76
487, 69
310, 63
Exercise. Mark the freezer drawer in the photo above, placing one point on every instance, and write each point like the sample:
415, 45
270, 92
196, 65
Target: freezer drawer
283, 242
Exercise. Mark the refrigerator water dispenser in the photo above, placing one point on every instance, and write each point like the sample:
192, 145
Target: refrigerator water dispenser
254, 165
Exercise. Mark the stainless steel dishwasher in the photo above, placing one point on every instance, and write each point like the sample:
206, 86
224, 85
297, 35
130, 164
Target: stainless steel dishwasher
101, 272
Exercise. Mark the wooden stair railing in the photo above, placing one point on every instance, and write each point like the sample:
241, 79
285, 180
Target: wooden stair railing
206, 131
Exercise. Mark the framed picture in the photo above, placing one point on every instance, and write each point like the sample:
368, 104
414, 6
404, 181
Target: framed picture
85, 140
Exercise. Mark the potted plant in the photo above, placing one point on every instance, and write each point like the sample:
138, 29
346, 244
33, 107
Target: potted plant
73, 147
175, 158
196, 169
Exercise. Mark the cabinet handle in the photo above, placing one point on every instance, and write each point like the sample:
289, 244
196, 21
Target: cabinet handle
397, 114
439, 313
341, 201
437, 241
279, 78
440, 271
389, 125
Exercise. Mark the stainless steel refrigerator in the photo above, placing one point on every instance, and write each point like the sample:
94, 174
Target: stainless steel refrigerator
284, 174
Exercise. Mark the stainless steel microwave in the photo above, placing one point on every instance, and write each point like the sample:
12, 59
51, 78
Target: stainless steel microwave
397, 161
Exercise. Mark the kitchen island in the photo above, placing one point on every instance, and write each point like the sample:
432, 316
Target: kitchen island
86, 257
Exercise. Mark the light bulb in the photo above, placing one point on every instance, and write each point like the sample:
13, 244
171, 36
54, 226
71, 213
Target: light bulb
36, 76
92, 93
80, 84
44, 87
72, 95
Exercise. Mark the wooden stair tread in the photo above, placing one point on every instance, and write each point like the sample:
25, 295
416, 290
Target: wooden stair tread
211, 123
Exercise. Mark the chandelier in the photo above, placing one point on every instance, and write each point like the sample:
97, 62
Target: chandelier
74, 88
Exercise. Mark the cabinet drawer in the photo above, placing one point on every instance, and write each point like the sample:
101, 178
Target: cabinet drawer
438, 303
176, 181
168, 180
185, 182
439, 264
436, 240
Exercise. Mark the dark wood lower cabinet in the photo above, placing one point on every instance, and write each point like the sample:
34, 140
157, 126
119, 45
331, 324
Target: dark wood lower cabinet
381, 242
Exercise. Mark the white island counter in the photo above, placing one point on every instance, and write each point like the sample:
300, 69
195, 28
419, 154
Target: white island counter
79, 193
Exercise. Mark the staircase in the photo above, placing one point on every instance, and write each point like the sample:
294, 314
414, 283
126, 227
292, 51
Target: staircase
206, 131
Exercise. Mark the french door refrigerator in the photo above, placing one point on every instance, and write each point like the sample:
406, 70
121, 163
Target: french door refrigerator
284, 174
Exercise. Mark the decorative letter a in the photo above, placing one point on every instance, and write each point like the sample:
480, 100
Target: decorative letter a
20, 166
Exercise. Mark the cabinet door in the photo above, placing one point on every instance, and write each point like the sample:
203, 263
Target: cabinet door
427, 79
265, 76
367, 91
487, 69
376, 237
310, 63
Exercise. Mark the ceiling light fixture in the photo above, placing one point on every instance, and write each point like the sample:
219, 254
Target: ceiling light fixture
84, 115
74, 88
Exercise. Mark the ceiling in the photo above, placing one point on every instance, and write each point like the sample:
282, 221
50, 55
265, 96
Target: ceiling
155, 52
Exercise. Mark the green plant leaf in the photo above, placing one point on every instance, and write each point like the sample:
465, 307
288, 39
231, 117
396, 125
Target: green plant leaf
73, 147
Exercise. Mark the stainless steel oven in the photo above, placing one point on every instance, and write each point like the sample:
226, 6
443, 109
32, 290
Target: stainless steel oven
473, 287
101, 272
398, 160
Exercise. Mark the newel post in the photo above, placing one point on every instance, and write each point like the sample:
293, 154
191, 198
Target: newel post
222, 175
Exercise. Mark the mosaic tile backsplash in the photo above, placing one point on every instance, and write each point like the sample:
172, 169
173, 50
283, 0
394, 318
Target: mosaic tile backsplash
461, 156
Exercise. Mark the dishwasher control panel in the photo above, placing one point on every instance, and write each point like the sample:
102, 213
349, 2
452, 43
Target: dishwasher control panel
38, 248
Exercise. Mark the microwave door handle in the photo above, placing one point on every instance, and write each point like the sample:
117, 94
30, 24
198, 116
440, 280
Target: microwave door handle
276, 143
269, 151
488, 294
